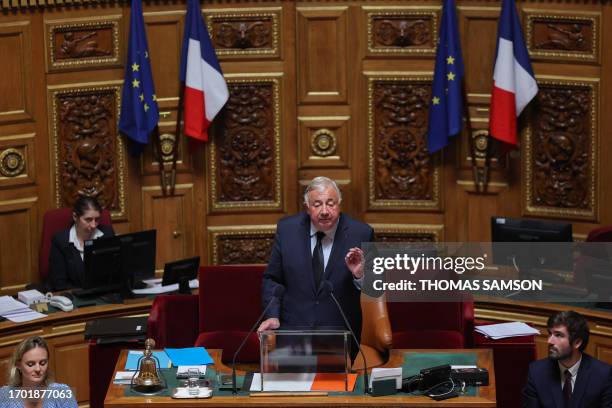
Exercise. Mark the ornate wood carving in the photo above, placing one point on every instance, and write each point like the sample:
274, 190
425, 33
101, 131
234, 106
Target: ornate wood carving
401, 30
561, 155
407, 232
88, 152
240, 32
82, 42
402, 173
564, 37
241, 245
245, 157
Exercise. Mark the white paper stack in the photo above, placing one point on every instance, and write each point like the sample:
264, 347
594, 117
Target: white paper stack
504, 330
155, 287
16, 311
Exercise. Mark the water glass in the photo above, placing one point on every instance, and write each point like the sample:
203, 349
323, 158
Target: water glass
193, 382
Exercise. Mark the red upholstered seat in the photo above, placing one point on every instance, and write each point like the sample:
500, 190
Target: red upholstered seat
55, 221
173, 320
431, 324
601, 234
230, 303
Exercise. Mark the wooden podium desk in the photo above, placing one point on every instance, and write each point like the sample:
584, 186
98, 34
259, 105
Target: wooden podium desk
115, 397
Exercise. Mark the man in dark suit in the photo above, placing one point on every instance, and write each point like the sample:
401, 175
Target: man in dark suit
320, 244
568, 378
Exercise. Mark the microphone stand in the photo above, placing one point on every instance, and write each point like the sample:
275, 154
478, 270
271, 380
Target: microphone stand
348, 325
274, 297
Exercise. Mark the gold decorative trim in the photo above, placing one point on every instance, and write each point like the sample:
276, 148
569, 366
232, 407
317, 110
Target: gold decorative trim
434, 203
215, 233
436, 230
553, 15
410, 11
53, 92
12, 163
322, 118
252, 205
529, 207
274, 13
92, 23
323, 143
322, 8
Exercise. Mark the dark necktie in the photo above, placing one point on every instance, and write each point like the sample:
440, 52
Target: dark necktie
318, 263
567, 388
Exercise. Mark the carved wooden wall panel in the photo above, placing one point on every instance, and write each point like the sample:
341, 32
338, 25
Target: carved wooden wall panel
402, 173
408, 233
561, 150
552, 35
322, 54
402, 30
84, 43
87, 151
17, 101
173, 217
17, 164
245, 154
246, 32
250, 244
19, 229
323, 141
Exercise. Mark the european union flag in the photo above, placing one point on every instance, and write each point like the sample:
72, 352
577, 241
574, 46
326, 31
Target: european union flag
139, 111
446, 106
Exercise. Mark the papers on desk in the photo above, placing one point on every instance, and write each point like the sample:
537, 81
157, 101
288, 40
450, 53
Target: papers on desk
189, 356
296, 382
504, 330
123, 377
16, 311
157, 288
131, 364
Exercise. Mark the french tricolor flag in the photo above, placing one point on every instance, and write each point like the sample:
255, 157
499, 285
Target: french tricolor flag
514, 84
205, 88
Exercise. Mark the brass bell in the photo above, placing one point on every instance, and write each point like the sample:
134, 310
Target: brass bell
148, 378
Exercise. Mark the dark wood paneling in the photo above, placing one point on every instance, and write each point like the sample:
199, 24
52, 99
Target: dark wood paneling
16, 103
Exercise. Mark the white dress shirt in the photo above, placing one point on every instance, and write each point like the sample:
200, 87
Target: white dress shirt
74, 240
573, 371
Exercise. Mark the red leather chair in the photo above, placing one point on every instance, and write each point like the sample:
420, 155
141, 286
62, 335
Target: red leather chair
601, 234
230, 303
55, 221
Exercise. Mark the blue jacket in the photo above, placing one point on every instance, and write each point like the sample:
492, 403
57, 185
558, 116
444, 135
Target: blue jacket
290, 265
593, 387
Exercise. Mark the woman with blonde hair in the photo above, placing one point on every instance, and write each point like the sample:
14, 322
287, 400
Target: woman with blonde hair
30, 382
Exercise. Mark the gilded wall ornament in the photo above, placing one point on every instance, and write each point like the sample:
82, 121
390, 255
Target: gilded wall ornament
323, 142
12, 163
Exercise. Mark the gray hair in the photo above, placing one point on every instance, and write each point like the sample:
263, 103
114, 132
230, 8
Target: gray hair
320, 184
26, 345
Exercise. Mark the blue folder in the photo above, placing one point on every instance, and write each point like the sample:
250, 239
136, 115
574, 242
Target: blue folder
189, 356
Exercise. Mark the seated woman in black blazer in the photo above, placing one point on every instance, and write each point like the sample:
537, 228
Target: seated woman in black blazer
66, 267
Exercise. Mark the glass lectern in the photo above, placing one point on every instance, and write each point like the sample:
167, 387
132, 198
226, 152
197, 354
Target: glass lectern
298, 360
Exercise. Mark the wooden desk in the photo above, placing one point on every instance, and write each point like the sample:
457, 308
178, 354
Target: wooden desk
115, 397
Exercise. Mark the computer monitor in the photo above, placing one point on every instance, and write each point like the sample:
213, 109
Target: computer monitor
525, 231
138, 256
102, 264
181, 272
118, 262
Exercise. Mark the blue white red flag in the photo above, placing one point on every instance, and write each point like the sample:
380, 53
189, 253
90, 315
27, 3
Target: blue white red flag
514, 84
205, 88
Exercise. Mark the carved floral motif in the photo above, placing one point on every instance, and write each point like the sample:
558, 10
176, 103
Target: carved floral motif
561, 145
245, 249
243, 34
401, 31
246, 150
403, 167
87, 147
80, 44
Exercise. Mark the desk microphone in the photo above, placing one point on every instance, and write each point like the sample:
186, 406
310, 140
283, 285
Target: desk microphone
279, 290
327, 288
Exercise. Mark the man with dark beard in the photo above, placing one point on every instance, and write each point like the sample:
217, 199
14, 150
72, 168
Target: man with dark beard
568, 377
